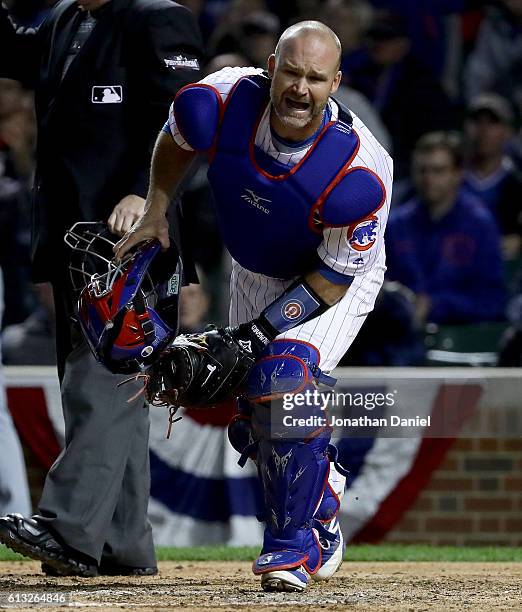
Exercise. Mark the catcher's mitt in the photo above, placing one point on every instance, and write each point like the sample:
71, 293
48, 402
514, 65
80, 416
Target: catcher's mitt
199, 369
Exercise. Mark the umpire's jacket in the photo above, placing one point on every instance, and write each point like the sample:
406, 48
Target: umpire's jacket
97, 125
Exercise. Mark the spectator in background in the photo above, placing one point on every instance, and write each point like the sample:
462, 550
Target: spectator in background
17, 141
442, 244
224, 37
408, 96
17, 131
495, 64
510, 354
259, 34
350, 19
390, 336
490, 173
33, 342
14, 491
253, 35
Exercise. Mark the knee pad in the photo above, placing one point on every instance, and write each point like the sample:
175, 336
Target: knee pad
282, 389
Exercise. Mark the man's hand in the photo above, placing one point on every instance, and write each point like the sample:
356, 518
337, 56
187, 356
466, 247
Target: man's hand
151, 225
125, 214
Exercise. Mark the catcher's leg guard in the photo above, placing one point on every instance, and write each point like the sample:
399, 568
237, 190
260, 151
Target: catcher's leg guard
293, 465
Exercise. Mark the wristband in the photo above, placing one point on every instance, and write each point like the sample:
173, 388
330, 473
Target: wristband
297, 305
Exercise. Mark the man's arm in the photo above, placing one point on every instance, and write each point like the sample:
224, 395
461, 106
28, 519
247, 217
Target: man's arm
329, 292
169, 165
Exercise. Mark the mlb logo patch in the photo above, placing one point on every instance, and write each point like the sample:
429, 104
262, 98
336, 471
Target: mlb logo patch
107, 94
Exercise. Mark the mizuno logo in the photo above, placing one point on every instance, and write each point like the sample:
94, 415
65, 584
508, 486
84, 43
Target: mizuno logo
252, 198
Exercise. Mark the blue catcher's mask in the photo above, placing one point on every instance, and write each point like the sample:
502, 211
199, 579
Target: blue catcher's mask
128, 310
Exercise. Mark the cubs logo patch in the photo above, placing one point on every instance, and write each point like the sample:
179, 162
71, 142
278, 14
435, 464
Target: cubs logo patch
292, 310
363, 235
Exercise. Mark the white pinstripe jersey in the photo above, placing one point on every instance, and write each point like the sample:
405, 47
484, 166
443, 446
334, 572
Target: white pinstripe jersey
332, 332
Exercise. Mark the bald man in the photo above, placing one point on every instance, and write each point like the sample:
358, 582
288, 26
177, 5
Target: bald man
302, 192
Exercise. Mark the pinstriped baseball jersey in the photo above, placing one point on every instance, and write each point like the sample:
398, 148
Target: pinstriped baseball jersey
356, 250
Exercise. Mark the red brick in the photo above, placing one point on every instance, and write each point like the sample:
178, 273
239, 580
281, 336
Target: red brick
488, 504
489, 484
423, 504
464, 444
449, 524
514, 524
513, 483
489, 463
409, 524
488, 444
489, 524
450, 484
450, 463
512, 444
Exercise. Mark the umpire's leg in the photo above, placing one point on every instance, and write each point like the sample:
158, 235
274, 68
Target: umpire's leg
102, 473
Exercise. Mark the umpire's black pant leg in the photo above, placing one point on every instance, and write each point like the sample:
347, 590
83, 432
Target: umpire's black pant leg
106, 438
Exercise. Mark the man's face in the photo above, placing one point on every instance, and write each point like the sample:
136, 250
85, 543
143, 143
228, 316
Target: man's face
91, 5
435, 176
487, 135
303, 77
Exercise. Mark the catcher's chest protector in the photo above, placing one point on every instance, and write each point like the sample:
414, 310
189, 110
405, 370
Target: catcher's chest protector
271, 215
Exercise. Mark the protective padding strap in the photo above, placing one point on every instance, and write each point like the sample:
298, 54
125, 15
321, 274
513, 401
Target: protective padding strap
197, 110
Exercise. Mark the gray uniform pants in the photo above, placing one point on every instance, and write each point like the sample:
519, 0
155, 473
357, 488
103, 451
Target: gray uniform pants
96, 493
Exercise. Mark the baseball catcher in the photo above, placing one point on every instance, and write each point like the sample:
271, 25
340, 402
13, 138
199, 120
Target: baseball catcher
302, 192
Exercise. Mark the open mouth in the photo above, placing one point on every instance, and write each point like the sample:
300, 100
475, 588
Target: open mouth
295, 105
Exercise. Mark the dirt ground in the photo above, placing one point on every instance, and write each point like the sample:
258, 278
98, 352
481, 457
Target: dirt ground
231, 586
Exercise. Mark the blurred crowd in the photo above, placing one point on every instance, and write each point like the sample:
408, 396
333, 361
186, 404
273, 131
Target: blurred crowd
438, 83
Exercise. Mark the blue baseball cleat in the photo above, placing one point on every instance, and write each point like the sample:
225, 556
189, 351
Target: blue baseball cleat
290, 580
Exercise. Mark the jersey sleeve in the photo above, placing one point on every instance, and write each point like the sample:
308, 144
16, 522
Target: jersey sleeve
223, 81
353, 249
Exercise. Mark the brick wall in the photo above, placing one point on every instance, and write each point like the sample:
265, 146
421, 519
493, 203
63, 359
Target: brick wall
474, 497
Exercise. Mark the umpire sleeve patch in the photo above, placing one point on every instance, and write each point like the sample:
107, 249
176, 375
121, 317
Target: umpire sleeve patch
357, 195
197, 110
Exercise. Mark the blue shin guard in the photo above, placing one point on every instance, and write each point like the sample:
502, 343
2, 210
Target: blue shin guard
293, 462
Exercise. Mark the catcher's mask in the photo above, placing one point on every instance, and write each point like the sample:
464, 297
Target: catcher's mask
128, 310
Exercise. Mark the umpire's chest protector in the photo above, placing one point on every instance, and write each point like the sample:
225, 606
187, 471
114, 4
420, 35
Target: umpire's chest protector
271, 216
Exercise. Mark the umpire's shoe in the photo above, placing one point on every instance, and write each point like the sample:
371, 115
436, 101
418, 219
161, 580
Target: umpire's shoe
30, 538
106, 569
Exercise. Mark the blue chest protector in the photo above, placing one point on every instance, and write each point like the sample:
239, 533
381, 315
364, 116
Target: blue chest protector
267, 217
